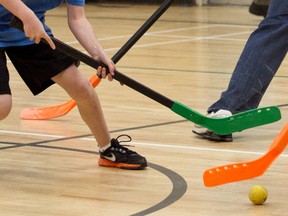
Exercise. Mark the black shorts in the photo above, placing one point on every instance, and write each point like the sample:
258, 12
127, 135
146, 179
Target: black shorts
36, 64
4, 75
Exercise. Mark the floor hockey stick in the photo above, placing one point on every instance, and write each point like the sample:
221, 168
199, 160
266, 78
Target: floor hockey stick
42, 113
246, 170
235, 123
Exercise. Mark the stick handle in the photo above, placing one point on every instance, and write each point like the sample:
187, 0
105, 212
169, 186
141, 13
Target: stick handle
141, 31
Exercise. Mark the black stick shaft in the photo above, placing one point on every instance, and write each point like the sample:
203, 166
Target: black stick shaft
142, 30
117, 75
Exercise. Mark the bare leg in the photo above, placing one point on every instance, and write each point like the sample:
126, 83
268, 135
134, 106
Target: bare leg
78, 87
5, 105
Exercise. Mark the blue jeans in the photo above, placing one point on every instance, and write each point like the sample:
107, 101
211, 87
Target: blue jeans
262, 56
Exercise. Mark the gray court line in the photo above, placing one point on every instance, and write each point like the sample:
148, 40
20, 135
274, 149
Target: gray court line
178, 190
179, 184
16, 145
11, 145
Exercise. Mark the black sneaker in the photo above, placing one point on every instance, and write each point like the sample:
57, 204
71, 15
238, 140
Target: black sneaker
121, 157
207, 134
259, 10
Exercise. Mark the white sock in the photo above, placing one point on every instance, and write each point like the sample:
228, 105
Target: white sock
102, 149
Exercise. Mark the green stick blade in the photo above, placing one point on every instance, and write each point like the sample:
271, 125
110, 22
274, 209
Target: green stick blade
228, 125
245, 120
189, 113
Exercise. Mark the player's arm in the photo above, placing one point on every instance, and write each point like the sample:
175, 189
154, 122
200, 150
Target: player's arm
84, 32
33, 28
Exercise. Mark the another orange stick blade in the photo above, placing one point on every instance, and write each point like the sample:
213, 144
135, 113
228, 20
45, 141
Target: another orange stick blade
94, 80
246, 170
47, 112
44, 113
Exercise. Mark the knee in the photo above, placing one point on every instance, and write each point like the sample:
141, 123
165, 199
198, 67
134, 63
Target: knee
83, 90
75, 84
5, 106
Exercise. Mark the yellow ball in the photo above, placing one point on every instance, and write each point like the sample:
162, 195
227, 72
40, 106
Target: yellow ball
258, 195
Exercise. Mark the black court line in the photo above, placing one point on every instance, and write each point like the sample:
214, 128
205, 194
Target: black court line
11, 145
16, 145
249, 25
178, 190
179, 187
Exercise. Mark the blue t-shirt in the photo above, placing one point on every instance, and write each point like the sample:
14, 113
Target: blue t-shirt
10, 36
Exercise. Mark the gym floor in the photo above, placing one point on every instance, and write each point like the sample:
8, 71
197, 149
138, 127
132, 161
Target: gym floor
49, 167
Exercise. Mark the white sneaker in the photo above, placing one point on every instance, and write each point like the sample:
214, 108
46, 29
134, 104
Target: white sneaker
207, 134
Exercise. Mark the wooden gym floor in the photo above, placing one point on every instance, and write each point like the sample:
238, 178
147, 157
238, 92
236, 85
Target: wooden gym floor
50, 167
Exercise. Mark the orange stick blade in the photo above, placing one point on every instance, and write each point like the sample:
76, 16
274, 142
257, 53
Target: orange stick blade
246, 170
45, 113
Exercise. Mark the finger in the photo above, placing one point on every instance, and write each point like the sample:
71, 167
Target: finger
37, 40
99, 72
104, 72
49, 41
111, 68
110, 77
